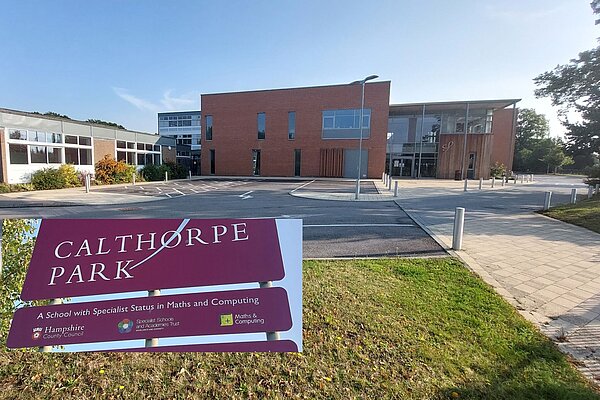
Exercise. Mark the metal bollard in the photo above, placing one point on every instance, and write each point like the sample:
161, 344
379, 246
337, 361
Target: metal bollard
573, 196
503, 181
547, 200
166, 176
493, 181
395, 188
459, 223
522, 177
590, 192
87, 183
133, 179
531, 177
383, 177
597, 188
190, 175
466, 184
390, 183
480, 183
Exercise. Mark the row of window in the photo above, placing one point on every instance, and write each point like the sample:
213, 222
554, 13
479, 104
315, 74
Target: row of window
336, 124
48, 137
131, 157
178, 117
29, 154
185, 122
256, 161
121, 144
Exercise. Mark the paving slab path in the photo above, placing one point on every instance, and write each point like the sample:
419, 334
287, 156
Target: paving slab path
549, 270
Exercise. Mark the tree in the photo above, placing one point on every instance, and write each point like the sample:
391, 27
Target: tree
574, 87
555, 158
532, 141
17, 246
100, 122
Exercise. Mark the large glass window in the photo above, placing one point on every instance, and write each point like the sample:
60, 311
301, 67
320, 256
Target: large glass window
38, 154
209, 127
71, 155
34, 136
18, 153
85, 141
345, 124
54, 155
261, 122
54, 138
85, 157
17, 134
70, 139
291, 125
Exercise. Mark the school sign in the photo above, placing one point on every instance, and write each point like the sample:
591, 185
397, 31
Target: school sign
74, 258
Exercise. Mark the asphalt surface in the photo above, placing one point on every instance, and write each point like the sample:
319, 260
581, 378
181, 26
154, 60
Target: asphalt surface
332, 228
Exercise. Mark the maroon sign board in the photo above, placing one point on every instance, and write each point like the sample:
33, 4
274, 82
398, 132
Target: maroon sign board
87, 257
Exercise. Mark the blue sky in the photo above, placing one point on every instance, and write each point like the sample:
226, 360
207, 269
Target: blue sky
123, 61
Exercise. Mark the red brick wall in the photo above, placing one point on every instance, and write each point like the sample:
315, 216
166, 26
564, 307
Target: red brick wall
235, 128
503, 142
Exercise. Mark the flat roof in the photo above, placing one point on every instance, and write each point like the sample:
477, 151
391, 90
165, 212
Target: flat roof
405, 108
291, 88
75, 121
179, 112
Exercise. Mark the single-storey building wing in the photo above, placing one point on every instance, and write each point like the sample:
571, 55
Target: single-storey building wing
30, 142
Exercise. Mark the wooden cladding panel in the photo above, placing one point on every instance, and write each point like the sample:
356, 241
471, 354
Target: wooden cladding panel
331, 163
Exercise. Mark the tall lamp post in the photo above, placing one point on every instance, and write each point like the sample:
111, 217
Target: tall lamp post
360, 123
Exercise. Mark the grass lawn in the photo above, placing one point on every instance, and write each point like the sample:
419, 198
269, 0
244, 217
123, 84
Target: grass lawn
402, 329
585, 213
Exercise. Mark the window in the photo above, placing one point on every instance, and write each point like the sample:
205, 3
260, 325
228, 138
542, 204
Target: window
85, 157
54, 155
140, 146
156, 147
38, 154
34, 136
120, 144
130, 145
345, 124
209, 127
131, 158
260, 120
85, 141
18, 153
256, 162
140, 159
69, 139
54, 138
71, 155
121, 156
156, 159
291, 125
18, 135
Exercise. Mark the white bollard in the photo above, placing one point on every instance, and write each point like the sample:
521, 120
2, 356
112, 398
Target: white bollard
466, 184
597, 188
522, 177
166, 176
547, 200
383, 177
133, 178
503, 181
573, 196
590, 192
190, 175
87, 183
531, 177
390, 183
395, 188
459, 223
480, 183
493, 181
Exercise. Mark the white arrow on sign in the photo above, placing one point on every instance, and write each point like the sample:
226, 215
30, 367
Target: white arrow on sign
246, 195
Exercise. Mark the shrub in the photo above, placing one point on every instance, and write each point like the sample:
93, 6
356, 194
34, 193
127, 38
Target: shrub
17, 187
109, 171
153, 172
176, 171
55, 178
498, 170
593, 175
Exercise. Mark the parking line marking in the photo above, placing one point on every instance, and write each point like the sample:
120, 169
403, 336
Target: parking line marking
301, 186
180, 192
357, 225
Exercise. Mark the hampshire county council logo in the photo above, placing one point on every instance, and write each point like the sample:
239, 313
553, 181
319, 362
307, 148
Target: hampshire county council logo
226, 319
125, 326
37, 332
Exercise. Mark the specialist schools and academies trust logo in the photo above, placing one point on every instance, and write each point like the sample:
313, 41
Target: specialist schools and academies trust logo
125, 326
37, 333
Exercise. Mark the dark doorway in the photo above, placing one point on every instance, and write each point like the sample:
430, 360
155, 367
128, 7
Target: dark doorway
256, 162
297, 161
212, 161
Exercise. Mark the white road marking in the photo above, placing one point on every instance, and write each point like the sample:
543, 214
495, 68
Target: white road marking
195, 191
168, 195
357, 225
180, 192
301, 186
246, 194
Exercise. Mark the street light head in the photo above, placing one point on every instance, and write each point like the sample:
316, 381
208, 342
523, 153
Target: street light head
368, 78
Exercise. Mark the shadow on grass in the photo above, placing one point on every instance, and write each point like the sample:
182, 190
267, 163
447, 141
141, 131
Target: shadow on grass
534, 377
